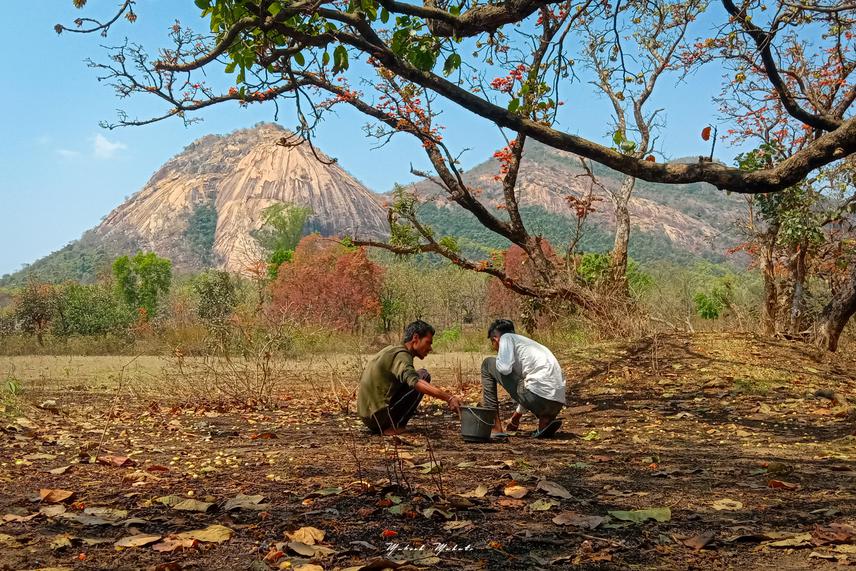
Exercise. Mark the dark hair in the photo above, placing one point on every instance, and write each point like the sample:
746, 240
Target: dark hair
500, 326
419, 328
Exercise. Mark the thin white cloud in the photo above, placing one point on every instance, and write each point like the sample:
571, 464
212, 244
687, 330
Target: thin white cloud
67, 153
105, 148
44, 140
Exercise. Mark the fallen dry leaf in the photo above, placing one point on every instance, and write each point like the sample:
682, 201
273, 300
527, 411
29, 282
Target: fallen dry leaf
727, 504
480, 492
578, 520
171, 544
800, 540
137, 540
108, 513
169, 500
211, 534
782, 485
834, 533
307, 535
59, 471
191, 505
19, 518
510, 503
120, 461
515, 491
699, 541
553, 489
639, 516
462, 524
53, 510
310, 550
61, 541
244, 502
50, 496
543, 505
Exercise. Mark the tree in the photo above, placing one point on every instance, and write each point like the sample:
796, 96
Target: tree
34, 309
283, 49
328, 284
218, 294
282, 227
793, 231
626, 73
88, 310
418, 60
143, 281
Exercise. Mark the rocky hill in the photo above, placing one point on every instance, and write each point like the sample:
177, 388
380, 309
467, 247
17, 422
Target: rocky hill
683, 221
200, 207
239, 175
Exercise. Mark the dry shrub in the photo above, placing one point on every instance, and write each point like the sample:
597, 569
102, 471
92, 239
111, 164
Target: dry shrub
246, 370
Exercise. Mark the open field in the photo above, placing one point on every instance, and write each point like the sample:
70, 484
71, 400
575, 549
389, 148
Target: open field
720, 435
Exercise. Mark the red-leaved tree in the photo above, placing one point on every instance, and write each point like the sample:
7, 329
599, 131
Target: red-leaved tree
503, 302
327, 283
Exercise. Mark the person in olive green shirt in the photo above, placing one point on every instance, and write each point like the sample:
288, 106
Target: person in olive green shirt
391, 388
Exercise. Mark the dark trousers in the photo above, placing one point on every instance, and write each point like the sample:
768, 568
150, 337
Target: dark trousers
537, 405
402, 407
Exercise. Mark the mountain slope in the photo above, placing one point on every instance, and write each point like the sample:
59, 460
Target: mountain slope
241, 174
198, 209
679, 222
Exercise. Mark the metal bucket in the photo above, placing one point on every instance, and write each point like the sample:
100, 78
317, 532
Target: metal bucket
476, 423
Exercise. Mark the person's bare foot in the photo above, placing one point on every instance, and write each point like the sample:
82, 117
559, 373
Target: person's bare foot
514, 422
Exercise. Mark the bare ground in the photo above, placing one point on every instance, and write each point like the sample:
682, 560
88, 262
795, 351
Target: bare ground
722, 436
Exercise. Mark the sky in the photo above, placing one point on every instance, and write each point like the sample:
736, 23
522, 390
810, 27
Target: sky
62, 173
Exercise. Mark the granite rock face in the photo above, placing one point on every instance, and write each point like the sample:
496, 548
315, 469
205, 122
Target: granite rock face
241, 174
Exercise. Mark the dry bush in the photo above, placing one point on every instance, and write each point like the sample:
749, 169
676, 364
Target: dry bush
247, 370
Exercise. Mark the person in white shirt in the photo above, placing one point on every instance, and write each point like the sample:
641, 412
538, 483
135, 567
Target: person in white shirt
531, 375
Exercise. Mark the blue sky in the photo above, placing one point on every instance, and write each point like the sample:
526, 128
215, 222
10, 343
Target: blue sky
62, 173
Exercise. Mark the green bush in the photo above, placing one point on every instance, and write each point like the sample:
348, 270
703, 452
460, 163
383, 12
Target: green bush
710, 305
89, 310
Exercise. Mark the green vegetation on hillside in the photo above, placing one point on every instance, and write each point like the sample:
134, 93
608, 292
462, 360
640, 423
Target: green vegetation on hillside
477, 241
199, 234
81, 261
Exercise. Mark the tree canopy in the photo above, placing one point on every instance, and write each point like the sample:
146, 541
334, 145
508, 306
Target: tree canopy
787, 67
303, 50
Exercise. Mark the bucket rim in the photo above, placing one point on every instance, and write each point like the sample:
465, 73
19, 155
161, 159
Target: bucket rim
477, 408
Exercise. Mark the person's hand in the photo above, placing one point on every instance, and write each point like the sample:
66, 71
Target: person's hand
454, 404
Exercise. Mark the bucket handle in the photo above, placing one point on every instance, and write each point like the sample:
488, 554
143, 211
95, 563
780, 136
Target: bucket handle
477, 417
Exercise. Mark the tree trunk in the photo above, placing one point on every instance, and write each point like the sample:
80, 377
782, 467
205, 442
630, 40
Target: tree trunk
618, 257
770, 291
798, 274
837, 313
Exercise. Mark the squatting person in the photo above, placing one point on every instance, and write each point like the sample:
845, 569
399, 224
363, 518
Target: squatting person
391, 389
531, 375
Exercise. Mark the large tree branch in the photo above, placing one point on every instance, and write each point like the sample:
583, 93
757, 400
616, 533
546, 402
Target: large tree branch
763, 41
829, 147
479, 19
840, 141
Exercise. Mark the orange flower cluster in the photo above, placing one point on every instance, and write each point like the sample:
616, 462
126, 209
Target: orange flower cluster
505, 156
506, 84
